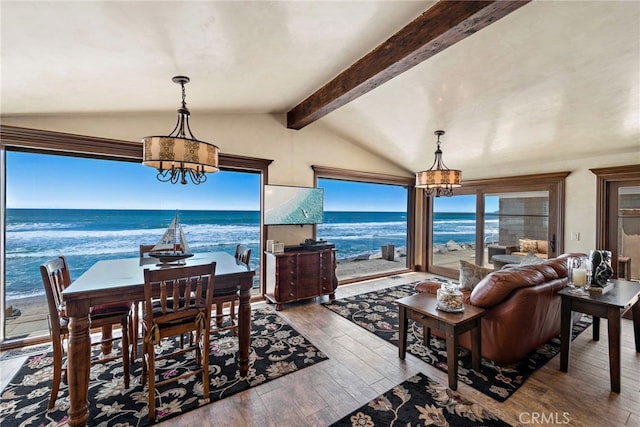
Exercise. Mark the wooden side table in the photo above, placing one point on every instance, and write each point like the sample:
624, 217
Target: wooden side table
611, 305
422, 308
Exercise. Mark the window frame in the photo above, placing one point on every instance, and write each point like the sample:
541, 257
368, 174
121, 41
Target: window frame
609, 180
13, 138
554, 183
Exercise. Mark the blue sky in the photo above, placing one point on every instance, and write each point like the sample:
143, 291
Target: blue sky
47, 181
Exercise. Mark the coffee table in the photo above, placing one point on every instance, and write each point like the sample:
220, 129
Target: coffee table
422, 308
611, 305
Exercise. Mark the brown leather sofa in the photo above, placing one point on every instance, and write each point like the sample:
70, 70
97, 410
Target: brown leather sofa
522, 308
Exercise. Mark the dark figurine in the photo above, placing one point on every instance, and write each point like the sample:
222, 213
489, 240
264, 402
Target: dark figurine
601, 265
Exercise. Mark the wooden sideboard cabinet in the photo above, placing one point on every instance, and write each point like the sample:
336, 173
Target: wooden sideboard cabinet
301, 274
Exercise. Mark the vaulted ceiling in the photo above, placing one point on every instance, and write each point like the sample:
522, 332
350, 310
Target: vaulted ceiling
505, 82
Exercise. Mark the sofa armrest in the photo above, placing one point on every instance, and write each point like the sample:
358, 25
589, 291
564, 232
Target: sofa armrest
431, 288
428, 287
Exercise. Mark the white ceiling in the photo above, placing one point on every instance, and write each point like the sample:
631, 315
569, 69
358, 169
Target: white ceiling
558, 77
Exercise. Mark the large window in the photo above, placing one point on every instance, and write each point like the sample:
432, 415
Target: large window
107, 214
367, 219
91, 209
499, 216
454, 230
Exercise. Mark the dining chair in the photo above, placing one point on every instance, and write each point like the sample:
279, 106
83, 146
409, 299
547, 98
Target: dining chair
56, 277
144, 254
177, 301
242, 255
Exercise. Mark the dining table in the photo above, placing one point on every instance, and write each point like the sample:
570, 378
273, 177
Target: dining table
118, 280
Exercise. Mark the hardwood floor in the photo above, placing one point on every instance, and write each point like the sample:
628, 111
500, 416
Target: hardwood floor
362, 366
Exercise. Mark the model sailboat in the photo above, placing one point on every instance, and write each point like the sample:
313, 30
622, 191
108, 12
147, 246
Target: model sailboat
173, 245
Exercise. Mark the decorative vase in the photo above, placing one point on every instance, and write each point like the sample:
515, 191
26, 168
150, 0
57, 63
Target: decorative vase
601, 267
449, 298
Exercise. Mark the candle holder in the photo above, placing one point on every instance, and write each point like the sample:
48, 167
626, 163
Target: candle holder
579, 272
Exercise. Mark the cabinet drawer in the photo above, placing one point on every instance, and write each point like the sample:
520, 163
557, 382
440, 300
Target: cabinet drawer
287, 290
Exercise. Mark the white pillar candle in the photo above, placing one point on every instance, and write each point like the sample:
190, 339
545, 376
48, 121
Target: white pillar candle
580, 276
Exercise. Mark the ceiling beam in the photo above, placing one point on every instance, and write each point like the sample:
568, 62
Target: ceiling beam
440, 26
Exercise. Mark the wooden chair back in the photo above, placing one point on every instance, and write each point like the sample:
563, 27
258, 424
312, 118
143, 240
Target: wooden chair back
243, 254
56, 277
174, 295
145, 249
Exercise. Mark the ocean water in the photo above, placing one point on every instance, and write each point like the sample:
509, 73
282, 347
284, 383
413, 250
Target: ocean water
86, 236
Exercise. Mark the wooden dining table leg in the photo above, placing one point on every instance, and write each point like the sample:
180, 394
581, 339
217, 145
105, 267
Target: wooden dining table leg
79, 363
106, 346
244, 328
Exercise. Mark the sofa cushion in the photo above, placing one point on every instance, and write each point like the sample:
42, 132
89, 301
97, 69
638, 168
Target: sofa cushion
498, 285
543, 246
471, 274
559, 265
528, 245
431, 287
547, 271
428, 286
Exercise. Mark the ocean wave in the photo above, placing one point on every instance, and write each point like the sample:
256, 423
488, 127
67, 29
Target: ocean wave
354, 238
30, 226
364, 224
58, 234
50, 243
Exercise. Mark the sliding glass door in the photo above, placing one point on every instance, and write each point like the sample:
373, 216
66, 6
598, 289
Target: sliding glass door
454, 230
503, 216
367, 222
517, 223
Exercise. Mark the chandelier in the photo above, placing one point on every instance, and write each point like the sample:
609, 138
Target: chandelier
180, 153
438, 180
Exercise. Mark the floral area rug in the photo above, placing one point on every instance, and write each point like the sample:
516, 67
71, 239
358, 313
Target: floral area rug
10, 354
377, 312
420, 401
276, 350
